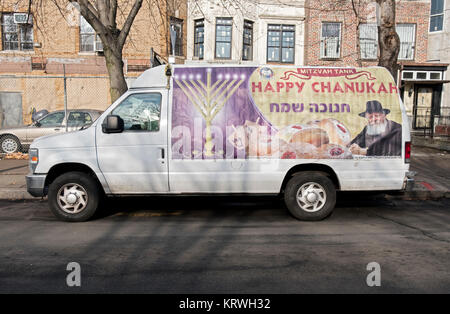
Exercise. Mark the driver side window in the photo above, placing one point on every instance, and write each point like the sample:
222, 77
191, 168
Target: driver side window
52, 119
140, 112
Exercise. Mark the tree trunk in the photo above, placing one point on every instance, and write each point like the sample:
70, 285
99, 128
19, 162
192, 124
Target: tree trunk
388, 38
114, 64
358, 38
102, 16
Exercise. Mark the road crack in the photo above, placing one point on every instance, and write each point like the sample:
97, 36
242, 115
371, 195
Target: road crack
425, 233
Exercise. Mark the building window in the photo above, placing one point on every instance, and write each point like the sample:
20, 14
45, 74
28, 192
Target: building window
421, 75
407, 34
436, 15
435, 75
89, 40
330, 40
407, 75
199, 38
177, 26
223, 38
368, 41
247, 48
17, 33
280, 43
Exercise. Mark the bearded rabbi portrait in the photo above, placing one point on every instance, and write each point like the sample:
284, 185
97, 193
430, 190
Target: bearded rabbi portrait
380, 137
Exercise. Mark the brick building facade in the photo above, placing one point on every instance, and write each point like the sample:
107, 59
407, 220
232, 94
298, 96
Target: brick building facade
246, 32
332, 39
34, 55
414, 15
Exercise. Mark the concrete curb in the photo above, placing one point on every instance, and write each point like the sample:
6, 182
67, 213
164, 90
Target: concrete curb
418, 195
430, 143
16, 194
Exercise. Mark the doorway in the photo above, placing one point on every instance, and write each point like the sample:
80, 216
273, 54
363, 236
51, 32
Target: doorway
422, 107
10, 109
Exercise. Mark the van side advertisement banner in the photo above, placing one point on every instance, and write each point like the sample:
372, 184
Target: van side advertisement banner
285, 113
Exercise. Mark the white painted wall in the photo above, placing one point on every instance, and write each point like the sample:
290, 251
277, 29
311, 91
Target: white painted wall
261, 12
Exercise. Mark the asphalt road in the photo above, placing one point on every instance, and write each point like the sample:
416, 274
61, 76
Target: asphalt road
227, 245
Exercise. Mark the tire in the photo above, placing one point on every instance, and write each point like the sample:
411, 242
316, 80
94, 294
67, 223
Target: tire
310, 196
74, 196
10, 144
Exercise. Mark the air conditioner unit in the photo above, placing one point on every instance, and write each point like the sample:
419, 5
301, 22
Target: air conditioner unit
98, 45
22, 18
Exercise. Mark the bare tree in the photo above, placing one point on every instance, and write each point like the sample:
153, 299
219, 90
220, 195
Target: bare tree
388, 38
111, 21
102, 16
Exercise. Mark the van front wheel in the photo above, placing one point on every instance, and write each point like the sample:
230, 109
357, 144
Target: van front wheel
310, 196
74, 196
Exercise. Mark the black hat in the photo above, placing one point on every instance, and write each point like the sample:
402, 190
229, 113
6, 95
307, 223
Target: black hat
374, 106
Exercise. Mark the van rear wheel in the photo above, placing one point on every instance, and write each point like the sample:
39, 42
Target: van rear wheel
74, 196
310, 196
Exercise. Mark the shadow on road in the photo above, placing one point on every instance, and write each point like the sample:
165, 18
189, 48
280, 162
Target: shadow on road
221, 206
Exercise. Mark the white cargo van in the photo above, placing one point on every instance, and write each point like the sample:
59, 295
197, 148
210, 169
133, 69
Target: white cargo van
302, 132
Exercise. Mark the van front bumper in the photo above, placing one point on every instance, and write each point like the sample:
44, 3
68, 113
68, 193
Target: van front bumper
408, 183
36, 185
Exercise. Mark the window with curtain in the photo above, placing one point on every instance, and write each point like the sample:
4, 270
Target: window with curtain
281, 43
330, 40
247, 48
177, 26
199, 38
407, 34
89, 40
16, 36
368, 41
223, 37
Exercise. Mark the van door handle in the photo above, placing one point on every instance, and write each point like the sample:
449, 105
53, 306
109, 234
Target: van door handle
162, 156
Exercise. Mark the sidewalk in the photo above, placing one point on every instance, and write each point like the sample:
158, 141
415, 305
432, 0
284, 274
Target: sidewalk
12, 179
431, 182
441, 143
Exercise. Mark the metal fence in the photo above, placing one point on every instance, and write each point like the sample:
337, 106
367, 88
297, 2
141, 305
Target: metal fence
21, 95
441, 126
432, 126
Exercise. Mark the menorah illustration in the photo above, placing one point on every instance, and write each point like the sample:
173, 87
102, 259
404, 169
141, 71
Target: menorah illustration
209, 99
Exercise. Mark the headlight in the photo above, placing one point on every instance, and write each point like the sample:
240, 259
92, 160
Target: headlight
33, 154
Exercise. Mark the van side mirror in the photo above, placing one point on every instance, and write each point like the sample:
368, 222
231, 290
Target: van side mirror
37, 124
113, 124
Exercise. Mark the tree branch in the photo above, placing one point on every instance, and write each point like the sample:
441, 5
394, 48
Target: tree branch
126, 27
112, 12
91, 15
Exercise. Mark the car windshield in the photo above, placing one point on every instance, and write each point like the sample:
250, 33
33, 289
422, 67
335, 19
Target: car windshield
52, 119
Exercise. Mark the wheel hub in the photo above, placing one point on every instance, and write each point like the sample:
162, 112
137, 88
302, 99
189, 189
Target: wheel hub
71, 198
311, 197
